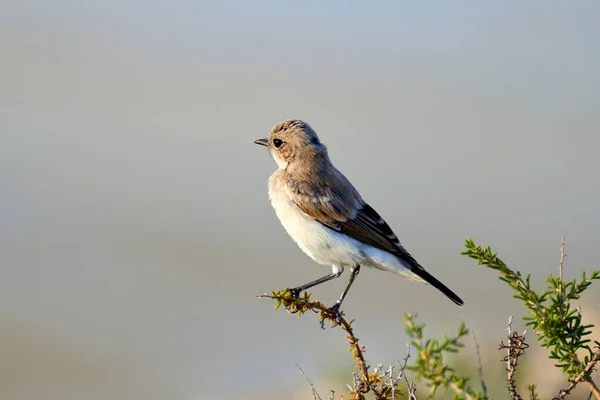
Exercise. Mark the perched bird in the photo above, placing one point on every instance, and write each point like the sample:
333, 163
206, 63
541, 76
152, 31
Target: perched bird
326, 216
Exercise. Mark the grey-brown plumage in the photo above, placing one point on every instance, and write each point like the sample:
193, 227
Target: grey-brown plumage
325, 214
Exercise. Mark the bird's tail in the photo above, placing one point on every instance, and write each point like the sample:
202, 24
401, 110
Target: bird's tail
405, 265
427, 277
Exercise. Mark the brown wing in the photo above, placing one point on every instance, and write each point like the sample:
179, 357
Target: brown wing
322, 202
344, 211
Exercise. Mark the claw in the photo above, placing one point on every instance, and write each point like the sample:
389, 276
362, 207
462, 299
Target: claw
295, 292
338, 316
295, 311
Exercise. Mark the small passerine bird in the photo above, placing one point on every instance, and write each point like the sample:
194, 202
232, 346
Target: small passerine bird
326, 216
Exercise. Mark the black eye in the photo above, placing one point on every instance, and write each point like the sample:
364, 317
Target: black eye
277, 143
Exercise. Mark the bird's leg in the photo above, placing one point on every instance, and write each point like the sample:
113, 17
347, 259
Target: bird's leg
296, 291
354, 273
338, 304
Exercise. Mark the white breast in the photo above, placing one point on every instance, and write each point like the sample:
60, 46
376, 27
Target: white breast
324, 245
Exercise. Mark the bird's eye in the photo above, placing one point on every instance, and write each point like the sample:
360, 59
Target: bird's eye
277, 143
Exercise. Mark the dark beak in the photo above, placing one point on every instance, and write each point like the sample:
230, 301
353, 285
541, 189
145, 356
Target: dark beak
262, 142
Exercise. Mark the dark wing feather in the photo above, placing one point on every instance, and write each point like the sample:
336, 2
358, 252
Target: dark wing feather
368, 227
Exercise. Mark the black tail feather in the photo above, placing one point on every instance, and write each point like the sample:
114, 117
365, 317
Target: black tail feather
426, 276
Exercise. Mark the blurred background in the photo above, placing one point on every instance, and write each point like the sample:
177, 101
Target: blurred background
135, 228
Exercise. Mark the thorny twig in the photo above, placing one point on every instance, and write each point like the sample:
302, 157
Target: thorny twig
481, 378
562, 260
590, 395
312, 386
515, 347
561, 286
410, 387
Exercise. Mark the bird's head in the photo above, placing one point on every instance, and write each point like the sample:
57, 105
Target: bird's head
293, 142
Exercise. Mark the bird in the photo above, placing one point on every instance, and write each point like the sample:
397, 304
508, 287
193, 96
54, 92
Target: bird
327, 217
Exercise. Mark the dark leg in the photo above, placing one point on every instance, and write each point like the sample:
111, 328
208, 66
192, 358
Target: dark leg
338, 304
354, 273
296, 291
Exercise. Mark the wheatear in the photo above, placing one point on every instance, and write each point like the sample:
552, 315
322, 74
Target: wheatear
326, 216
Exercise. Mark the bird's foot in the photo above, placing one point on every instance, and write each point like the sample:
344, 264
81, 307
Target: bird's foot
295, 292
337, 319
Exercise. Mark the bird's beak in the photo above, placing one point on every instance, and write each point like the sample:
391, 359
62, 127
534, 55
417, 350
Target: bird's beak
262, 142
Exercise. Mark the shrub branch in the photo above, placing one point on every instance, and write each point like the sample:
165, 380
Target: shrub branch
515, 348
558, 324
364, 381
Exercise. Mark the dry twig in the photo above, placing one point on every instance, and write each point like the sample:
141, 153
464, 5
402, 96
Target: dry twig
481, 378
515, 347
410, 387
312, 386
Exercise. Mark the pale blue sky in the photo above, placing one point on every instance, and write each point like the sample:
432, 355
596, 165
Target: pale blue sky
134, 209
